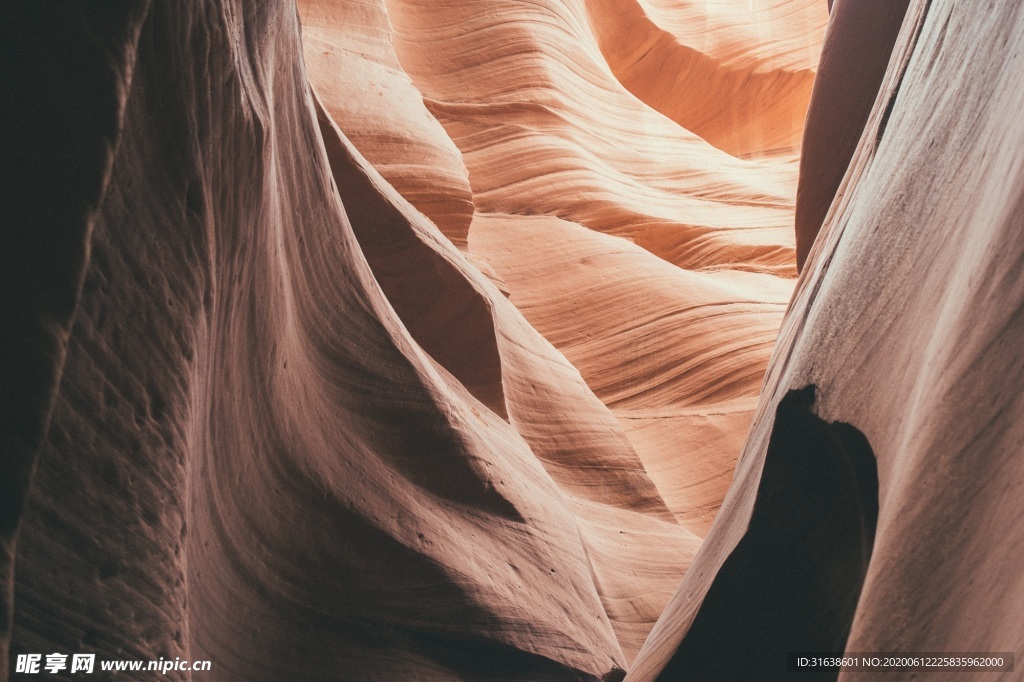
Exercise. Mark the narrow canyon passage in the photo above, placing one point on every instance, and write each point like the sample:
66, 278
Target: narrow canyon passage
414, 340
656, 264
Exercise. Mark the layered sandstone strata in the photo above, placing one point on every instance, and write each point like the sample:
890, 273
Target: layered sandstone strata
382, 339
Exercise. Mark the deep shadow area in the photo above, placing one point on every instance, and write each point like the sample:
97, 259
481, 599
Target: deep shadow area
793, 581
446, 316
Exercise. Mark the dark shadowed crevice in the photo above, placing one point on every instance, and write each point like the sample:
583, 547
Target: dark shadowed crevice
793, 581
855, 57
446, 316
66, 68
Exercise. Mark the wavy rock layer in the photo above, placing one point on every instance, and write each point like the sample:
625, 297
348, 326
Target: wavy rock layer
589, 154
350, 59
633, 546
321, 405
628, 313
907, 321
737, 74
584, 148
544, 97
250, 459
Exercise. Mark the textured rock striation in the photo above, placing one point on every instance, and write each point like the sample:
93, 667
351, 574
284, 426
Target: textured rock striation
250, 460
738, 74
901, 346
597, 168
390, 339
350, 59
280, 397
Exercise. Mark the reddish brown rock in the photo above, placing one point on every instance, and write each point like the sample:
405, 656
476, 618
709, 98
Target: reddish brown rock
438, 367
737, 74
352, 64
860, 39
905, 329
250, 459
66, 69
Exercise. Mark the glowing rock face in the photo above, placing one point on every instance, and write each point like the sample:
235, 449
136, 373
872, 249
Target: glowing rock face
566, 168
389, 339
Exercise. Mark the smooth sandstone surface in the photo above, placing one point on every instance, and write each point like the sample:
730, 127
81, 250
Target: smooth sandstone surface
633, 546
250, 458
906, 323
545, 128
351, 63
626, 314
389, 339
853, 63
609, 170
302, 427
738, 74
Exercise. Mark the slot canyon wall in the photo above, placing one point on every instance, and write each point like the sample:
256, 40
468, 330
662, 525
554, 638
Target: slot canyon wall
905, 326
385, 340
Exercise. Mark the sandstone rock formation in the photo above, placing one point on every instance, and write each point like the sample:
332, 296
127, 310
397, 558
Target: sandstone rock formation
392, 339
592, 155
251, 460
350, 58
738, 74
900, 349
301, 423
853, 63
